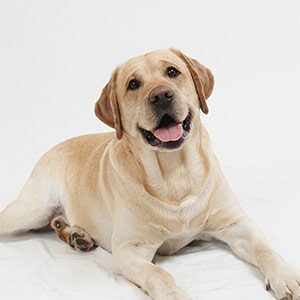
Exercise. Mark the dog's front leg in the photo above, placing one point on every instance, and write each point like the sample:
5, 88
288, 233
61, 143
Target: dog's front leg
132, 260
247, 241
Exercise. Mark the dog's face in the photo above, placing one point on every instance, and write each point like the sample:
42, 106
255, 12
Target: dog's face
156, 97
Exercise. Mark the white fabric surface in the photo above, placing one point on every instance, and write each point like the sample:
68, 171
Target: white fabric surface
39, 266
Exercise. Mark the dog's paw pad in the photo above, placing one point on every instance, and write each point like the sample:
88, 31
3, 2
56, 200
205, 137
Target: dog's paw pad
75, 236
81, 241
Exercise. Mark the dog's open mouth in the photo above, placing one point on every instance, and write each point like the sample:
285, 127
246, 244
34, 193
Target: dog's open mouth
169, 133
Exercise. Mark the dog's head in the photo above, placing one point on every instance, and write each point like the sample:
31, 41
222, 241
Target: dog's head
156, 97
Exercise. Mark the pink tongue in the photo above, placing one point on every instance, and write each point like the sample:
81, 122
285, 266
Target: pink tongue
171, 133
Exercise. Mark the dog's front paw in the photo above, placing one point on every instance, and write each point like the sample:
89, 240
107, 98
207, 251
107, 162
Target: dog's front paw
285, 282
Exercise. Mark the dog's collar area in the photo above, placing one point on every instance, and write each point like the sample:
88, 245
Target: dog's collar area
166, 122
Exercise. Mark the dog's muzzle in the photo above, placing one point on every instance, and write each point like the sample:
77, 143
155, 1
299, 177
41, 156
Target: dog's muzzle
169, 133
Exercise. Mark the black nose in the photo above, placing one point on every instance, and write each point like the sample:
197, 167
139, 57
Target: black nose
161, 97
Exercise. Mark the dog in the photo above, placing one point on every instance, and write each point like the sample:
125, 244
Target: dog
151, 186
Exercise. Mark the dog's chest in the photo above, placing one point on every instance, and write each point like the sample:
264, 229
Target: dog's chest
185, 219
183, 223
176, 186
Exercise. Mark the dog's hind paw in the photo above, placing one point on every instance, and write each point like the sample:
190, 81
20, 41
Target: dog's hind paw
76, 237
80, 240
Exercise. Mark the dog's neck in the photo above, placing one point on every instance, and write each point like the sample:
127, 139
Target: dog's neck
173, 175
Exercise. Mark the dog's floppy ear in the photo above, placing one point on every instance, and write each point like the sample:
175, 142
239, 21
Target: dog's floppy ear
107, 108
202, 77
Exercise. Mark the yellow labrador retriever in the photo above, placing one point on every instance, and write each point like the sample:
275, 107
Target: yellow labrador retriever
152, 187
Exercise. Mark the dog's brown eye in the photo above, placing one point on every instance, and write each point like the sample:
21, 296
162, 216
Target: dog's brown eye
172, 72
133, 84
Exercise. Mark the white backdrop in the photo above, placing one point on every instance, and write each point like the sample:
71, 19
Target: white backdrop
57, 55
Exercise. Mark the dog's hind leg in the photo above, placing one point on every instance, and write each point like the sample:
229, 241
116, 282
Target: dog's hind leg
74, 236
33, 209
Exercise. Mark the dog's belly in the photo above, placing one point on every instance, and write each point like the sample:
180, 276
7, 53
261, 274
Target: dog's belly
174, 244
171, 246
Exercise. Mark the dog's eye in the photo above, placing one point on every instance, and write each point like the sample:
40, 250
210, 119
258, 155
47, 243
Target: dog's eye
172, 72
133, 84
